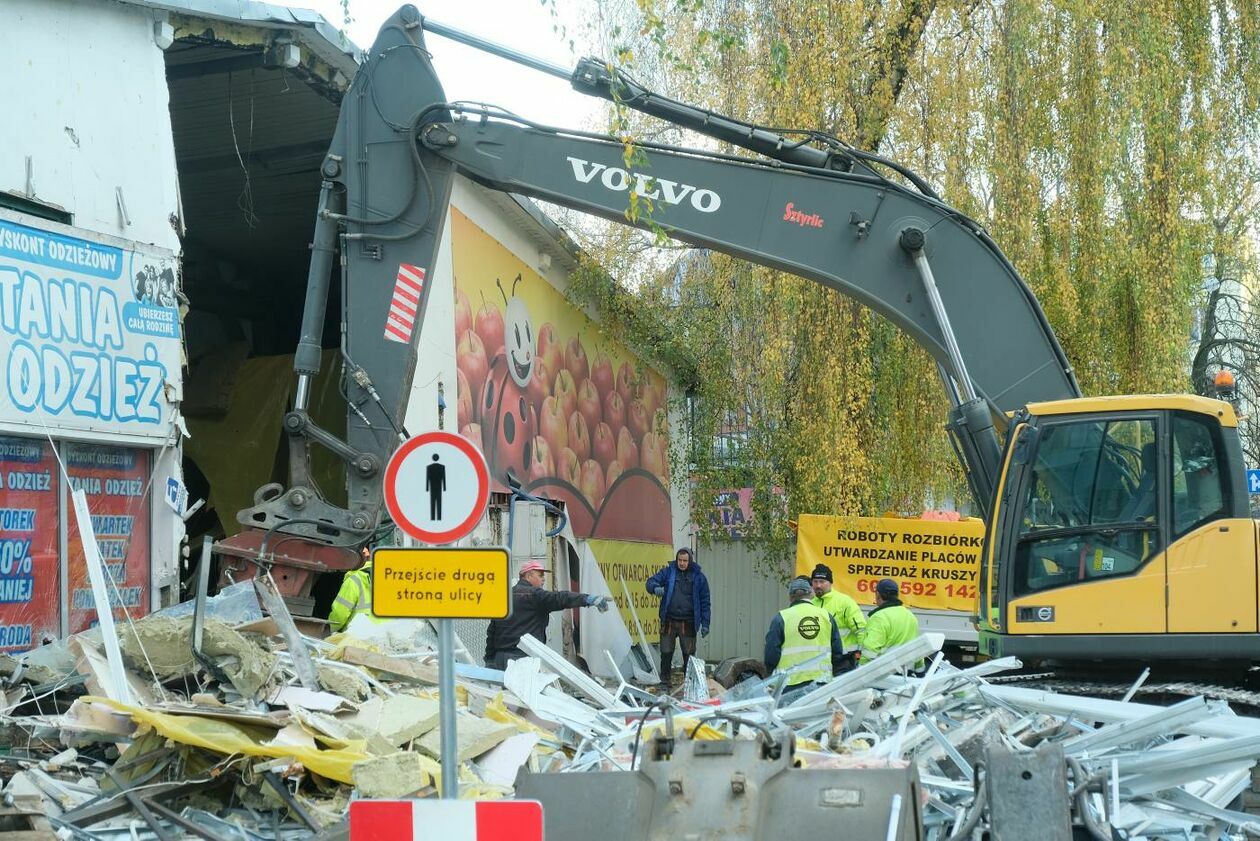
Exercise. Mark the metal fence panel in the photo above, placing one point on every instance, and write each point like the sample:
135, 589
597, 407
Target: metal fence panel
743, 600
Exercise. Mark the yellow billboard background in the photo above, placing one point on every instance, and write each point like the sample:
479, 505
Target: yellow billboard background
554, 402
635, 563
936, 564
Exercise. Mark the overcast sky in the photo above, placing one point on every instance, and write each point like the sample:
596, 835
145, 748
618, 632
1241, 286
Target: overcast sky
466, 73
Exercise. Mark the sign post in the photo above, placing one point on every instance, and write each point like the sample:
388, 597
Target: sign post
437, 487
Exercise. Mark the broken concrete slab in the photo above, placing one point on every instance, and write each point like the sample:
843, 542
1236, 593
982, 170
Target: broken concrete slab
343, 682
474, 736
397, 719
165, 643
397, 666
386, 777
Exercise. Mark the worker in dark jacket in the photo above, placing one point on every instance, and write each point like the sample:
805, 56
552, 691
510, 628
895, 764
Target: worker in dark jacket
531, 607
800, 633
684, 594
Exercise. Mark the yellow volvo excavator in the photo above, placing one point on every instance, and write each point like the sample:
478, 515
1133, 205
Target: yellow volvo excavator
1121, 530
1118, 527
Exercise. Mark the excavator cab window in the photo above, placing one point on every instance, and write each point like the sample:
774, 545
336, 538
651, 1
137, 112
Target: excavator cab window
1090, 506
1200, 487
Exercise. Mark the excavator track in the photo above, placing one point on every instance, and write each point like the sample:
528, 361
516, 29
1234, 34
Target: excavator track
1241, 693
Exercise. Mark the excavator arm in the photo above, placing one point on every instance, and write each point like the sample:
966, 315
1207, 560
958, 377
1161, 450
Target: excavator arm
856, 233
807, 204
379, 220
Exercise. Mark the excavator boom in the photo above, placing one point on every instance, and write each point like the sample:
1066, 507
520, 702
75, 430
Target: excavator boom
809, 205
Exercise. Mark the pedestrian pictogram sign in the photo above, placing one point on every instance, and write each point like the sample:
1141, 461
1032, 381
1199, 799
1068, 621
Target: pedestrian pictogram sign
441, 583
437, 486
448, 820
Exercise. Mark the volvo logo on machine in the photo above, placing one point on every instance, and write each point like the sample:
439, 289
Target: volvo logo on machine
1040, 613
644, 185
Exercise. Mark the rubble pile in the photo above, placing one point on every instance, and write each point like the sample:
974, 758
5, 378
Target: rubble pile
226, 739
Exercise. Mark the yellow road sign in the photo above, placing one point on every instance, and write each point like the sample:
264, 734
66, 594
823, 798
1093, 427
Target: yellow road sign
441, 584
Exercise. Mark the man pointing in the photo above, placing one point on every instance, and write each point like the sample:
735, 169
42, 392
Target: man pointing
531, 607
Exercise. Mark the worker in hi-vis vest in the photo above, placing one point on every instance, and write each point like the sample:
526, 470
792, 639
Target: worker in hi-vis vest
354, 597
890, 624
850, 620
802, 632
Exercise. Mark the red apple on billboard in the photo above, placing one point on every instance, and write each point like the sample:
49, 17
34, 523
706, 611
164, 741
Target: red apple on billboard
591, 482
637, 419
463, 313
565, 391
588, 404
603, 444
470, 358
539, 384
579, 436
602, 374
627, 450
654, 457
575, 360
553, 426
614, 412
489, 327
614, 470
464, 400
549, 349
568, 467
541, 464
625, 382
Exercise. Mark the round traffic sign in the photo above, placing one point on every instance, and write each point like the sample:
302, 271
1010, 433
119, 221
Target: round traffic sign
437, 486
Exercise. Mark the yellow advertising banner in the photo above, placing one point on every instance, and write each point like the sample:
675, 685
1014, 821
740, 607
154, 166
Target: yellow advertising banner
936, 564
635, 563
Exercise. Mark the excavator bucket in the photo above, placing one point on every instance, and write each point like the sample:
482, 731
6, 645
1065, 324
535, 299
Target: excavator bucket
295, 563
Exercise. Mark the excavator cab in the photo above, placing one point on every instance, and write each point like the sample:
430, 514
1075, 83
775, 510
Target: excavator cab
1121, 530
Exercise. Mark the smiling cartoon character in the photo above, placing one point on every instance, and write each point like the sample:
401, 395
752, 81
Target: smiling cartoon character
518, 337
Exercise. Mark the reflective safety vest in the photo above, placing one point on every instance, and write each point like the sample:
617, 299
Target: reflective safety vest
888, 627
806, 634
354, 598
850, 620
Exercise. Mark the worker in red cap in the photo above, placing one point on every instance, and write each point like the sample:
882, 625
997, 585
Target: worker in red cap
531, 606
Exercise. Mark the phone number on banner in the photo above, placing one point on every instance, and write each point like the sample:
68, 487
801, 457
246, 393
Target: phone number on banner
921, 588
